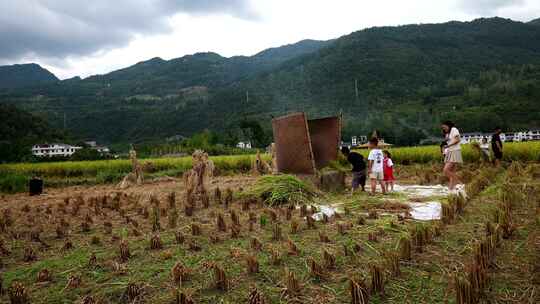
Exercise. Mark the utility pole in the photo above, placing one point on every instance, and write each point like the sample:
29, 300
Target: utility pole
356, 88
356, 95
244, 108
366, 107
64, 120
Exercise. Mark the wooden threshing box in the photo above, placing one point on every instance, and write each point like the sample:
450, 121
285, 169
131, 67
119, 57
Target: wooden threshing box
303, 146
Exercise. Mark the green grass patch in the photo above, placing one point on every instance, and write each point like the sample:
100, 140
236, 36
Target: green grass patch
13, 183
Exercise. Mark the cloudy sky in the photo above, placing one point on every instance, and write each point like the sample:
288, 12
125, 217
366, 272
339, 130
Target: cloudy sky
80, 37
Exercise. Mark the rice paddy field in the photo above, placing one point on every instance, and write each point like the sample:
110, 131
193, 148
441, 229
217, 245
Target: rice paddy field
13, 177
275, 239
518, 151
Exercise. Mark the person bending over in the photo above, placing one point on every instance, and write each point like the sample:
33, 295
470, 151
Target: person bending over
358, 169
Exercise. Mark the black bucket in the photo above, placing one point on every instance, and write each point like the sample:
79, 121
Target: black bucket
35, 186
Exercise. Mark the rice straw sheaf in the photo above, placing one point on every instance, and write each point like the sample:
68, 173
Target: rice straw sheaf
276, 190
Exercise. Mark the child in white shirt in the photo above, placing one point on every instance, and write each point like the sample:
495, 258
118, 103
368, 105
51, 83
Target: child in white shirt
375, 166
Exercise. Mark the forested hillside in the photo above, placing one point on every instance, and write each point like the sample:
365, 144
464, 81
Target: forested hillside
401, 80
535, 21
19, 130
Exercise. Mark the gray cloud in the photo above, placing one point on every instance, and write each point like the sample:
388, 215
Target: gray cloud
60, 28
487, 7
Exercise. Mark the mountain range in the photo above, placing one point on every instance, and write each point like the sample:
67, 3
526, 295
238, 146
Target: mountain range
400, 80
21, 75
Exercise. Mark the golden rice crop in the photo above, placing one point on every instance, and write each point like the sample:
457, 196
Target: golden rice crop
235, 163
523, 151
516, 151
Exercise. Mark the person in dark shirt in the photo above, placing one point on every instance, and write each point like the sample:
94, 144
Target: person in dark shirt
497, 147
358, 168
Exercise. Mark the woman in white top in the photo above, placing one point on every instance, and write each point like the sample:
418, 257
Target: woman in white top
452, 156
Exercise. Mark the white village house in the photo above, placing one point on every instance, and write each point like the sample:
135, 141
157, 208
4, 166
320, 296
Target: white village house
92, 144
531, 135
244, 145
467, 138
358, 140
50, 150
